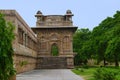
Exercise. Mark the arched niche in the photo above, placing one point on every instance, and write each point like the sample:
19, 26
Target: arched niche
54, 50
43, 43
66, 43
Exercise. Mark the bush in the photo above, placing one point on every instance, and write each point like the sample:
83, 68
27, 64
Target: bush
6, 51
85, 66
106, 74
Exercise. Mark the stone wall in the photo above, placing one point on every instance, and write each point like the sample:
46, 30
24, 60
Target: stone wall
24, 45
52, 62
24, 63
31, 48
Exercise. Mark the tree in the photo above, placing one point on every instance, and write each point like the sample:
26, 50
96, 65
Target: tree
6, 50
80, 39
100, 40
103, 43
104, 35
113, 48
112, 51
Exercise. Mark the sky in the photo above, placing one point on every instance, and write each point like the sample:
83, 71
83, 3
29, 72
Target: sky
87, 13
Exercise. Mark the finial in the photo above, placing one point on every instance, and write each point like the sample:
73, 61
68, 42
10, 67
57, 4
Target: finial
68, 12
39, 12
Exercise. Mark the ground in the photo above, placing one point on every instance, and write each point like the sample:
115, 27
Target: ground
49, 74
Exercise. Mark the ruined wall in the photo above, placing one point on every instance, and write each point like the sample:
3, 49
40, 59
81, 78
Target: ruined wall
24, 45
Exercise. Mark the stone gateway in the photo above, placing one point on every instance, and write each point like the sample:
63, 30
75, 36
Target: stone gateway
55, 31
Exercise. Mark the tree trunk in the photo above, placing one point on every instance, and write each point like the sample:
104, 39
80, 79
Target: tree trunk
104, 61
13, 77
116, 61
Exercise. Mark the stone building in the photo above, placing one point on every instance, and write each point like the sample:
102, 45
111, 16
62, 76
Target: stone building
55, 31
25, 43
34, 47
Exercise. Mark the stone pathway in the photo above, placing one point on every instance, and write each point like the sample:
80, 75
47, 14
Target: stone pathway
49, 74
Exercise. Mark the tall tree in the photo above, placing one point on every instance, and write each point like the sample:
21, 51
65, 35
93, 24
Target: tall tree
104, 35
100, 39
6, 50
80, 38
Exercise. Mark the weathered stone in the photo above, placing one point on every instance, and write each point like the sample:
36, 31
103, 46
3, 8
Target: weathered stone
34, 48
52, 63
55, 30
24, 45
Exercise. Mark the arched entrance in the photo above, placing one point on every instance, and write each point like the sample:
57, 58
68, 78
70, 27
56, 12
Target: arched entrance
54, 50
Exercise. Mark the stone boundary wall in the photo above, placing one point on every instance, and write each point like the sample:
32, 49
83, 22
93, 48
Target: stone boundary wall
24, 45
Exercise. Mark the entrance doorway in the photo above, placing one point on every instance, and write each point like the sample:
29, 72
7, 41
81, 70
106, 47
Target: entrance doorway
54, 50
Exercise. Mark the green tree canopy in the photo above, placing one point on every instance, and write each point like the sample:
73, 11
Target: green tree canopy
79, 44
102, 43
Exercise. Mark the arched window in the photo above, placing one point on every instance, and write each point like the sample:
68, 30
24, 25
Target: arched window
66, 43
54, 50
43, 44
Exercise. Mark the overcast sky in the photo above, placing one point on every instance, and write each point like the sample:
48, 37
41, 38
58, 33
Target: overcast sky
87, 13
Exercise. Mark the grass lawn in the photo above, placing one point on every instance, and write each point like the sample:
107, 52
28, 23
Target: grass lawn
88, 74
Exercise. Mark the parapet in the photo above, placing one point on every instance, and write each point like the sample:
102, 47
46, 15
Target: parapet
54, 20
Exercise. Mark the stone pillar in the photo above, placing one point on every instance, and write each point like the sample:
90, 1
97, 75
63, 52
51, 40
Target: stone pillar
70, 62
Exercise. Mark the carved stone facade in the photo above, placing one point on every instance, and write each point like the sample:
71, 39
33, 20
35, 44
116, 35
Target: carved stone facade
55, 30
33, 49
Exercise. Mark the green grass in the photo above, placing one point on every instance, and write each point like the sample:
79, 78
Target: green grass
88, 74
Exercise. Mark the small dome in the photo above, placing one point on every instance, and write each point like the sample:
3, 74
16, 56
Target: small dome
68, 12
39, 12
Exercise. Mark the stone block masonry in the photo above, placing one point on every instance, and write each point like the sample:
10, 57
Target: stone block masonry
25, 43
55, 31
33, 47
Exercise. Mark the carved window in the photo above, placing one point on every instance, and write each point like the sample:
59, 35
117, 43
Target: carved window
43, 44
66, 43
26, 40
29, 42
20, 36
34, 46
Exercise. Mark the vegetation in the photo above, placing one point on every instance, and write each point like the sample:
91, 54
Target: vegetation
85, 73
6, 51
54, 50
23, 63
80, 45
101, 44
107, 74
98, 73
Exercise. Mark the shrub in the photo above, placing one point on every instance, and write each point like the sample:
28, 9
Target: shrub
85, 66
106, 74
6, 51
